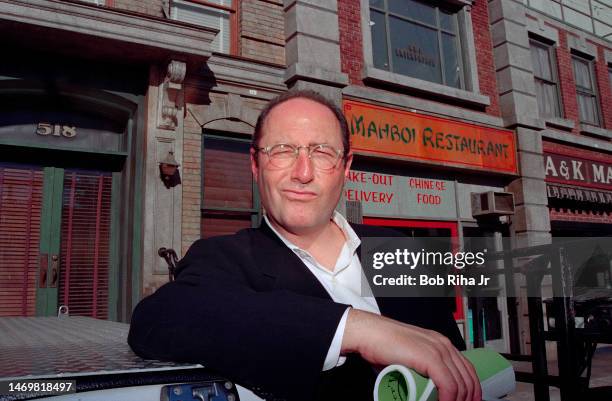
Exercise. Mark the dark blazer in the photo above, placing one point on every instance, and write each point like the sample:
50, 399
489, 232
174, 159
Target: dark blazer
246, 307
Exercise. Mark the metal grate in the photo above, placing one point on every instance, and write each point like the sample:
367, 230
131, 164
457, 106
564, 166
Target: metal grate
47, 347
86, 210
20, 216
354, 212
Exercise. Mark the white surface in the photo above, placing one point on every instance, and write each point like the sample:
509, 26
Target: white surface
140, 393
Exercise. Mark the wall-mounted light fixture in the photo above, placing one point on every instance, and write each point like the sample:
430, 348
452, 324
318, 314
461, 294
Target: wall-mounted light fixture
169, 172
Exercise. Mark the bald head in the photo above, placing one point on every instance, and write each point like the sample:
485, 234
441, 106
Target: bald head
311, 96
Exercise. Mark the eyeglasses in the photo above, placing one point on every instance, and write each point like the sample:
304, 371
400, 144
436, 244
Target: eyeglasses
282, 155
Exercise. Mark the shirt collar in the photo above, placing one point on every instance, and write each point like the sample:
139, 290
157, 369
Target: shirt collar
352, 241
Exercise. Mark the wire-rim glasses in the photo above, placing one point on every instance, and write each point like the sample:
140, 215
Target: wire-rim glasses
283, 155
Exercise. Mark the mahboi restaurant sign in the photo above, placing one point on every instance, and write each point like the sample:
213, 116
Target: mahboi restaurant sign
404, 134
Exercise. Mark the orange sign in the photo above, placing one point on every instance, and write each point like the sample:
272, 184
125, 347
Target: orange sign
386, 131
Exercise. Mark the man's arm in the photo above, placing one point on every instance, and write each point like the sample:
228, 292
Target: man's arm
433, 353
273, 341
383, 341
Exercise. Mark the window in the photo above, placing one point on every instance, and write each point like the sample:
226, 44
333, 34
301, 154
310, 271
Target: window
586, 92
229, 197
546, 81
416, 39
217, 14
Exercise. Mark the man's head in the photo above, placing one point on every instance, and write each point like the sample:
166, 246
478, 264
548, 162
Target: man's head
303, 94
299, 194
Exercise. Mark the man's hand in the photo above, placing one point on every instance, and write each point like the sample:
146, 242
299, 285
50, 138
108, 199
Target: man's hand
384, 341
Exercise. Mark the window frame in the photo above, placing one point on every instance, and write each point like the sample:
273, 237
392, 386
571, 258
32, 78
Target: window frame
255, 211
593, 93
233, 11
552, 60
470, 94
439, 34
99, 2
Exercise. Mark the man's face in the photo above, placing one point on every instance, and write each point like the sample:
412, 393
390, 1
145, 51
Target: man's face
301, 198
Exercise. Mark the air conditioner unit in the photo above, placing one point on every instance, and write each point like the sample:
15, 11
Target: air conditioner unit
354, 212
492, 203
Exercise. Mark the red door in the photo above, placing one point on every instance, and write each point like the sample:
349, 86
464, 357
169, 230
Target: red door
421, 228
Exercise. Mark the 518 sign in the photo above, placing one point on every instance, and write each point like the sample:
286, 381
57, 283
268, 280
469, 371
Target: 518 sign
46, 129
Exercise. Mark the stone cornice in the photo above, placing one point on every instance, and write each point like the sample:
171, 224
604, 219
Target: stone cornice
167, 35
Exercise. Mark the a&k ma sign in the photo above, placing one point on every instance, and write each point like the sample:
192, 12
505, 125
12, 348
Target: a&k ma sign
397, 133
577, 171
385, 195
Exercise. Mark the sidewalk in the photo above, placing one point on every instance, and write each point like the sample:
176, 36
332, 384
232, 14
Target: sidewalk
601, 375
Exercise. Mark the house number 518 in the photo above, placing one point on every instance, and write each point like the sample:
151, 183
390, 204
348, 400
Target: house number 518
45, 129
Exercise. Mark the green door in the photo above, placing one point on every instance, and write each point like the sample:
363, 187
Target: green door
49, 247
55, 235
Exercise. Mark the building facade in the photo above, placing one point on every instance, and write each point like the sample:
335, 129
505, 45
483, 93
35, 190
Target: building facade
469, 119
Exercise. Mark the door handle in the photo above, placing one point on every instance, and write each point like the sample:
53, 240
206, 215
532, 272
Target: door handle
54, 270
43, 266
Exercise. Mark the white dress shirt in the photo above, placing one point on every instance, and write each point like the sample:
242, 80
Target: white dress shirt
343, 283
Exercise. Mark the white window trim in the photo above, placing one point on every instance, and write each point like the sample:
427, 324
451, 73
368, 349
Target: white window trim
538, 28
591, 62
551, 49
608, 56
471, 93
580, 45
95, 2
228, 28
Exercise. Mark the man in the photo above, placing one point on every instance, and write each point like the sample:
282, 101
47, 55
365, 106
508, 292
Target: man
278, 309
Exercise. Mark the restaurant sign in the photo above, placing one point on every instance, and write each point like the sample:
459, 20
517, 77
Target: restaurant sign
385, 195
577, 171
404, 134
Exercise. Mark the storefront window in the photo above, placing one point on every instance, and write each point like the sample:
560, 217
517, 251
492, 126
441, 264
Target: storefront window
586, 91
547, 84
416, 39
229, 199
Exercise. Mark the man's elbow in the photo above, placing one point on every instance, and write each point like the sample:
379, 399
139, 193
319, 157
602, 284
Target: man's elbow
142, 328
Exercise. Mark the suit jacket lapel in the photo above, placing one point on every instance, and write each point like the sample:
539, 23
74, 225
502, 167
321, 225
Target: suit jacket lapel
276, 260
395, 308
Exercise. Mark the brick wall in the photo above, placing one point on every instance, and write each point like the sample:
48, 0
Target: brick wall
566, 80
604, 86
576, 152
149, 7
191, 182
351, 43
484, 55
262, 30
